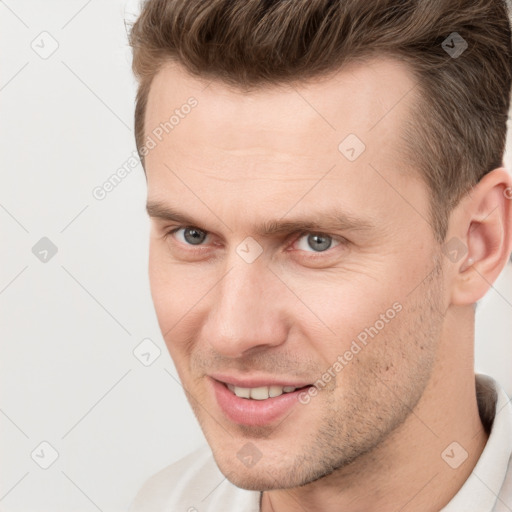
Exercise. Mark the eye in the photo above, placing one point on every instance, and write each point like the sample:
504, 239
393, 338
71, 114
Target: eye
317, 242
189, 235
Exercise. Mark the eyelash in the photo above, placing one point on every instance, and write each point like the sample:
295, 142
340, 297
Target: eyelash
340, 240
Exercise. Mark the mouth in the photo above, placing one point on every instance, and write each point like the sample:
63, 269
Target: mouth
256, 403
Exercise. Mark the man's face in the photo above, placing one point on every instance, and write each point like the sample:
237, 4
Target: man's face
344, 302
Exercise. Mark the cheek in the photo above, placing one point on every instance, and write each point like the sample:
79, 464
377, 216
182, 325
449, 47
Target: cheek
344, 310
178, 291
170, 286
160, 281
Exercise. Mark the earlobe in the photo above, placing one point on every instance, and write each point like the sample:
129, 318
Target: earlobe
483, 221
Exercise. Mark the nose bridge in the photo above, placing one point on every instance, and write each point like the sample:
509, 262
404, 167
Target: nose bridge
244, 312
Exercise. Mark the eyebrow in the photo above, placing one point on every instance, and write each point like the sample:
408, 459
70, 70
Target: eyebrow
320, 221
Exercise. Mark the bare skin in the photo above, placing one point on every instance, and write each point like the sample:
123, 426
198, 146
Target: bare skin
373, 438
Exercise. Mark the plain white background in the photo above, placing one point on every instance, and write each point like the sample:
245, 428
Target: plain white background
69, 376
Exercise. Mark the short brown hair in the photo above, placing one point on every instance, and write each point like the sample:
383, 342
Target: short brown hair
458, 129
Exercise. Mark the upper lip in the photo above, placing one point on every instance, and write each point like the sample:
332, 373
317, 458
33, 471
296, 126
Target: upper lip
257, 382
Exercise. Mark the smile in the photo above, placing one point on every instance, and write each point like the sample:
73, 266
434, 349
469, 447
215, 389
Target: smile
255, 403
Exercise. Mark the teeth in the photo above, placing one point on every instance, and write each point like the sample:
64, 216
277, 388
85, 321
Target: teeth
275, 391
261, 393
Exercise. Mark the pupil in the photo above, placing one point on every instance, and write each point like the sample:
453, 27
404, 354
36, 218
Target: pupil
319, 242
194, 236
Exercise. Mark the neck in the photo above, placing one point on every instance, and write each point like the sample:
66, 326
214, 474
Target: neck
417, 466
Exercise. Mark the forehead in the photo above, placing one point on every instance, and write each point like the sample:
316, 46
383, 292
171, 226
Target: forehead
357, 99
273, 140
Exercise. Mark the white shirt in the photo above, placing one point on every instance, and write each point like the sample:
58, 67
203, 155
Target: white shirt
195, 484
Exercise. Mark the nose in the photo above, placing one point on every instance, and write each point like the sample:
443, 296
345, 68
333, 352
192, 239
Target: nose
247, 312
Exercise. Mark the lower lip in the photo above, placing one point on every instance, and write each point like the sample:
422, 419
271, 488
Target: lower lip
256, 413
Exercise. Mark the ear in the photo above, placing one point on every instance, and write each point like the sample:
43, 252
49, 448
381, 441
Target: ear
481, 234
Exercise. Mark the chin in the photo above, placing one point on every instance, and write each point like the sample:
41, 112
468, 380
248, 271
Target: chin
257, 479
279, 472
253, 483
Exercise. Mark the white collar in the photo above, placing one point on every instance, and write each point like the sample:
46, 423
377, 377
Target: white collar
482, 488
